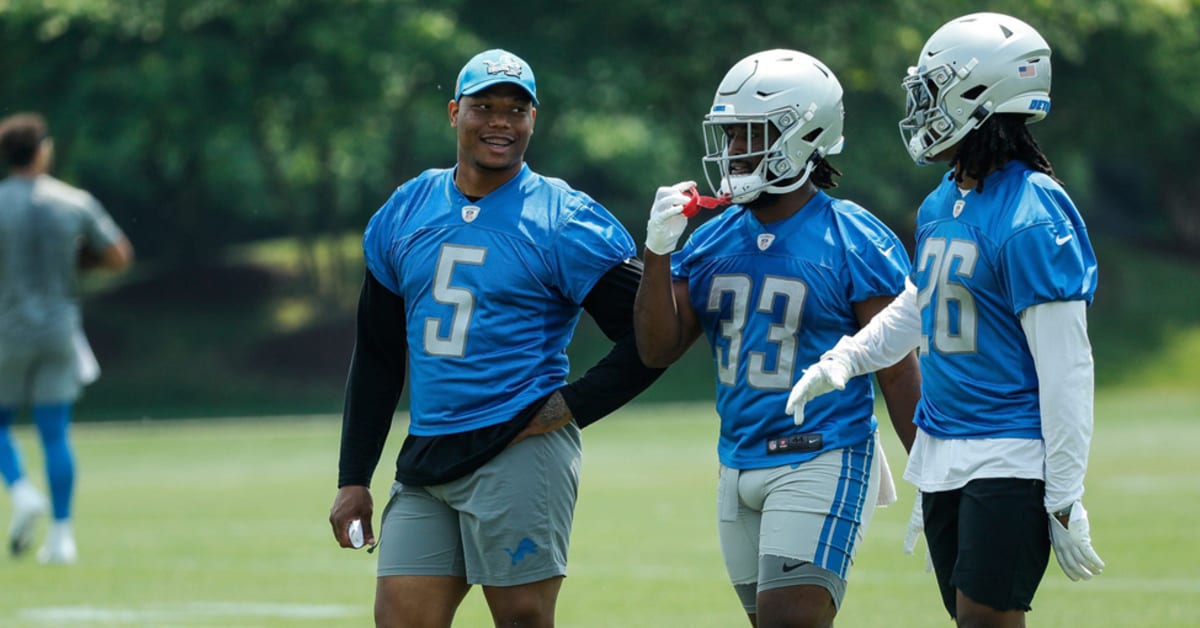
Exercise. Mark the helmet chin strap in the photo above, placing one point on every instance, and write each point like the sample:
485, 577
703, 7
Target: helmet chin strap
916, 149
924, 157
795, 185
742, 189
746, 188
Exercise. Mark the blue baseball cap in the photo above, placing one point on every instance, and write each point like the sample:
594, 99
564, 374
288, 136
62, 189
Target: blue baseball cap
493, 67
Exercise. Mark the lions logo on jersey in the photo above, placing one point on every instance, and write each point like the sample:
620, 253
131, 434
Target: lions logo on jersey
507, 64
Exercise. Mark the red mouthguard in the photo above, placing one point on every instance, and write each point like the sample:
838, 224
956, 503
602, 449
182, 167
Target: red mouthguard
696, 202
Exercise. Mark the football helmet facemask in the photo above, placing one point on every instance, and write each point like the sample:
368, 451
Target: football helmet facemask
784, 95
970, 68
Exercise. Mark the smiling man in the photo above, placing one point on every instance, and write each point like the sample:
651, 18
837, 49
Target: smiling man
476, 277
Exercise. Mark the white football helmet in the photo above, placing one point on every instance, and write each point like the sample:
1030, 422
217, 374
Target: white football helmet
970, 68
785, 90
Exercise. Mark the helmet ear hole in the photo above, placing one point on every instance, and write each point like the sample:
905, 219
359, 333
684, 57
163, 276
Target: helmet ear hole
813, 135
974, 92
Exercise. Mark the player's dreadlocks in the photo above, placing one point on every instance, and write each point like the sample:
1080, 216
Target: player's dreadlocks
822, 175
1000, 139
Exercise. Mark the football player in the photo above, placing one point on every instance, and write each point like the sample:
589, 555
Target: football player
772, 281
997, 305
476, 277
49, 231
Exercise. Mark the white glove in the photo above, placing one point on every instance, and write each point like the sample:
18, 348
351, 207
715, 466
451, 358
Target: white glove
830, 373
916, 529
1073, 545
667, 221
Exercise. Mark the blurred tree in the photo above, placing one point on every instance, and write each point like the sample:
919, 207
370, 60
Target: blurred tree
206, 122
626, 85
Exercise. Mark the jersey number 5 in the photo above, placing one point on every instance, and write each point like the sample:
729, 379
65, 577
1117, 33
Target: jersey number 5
782, 334
954, 315
453, 344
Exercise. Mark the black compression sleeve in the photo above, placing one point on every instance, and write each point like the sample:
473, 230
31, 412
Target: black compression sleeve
620, 375
375, 382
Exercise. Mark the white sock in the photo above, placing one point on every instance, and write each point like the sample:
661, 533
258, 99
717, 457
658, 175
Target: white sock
60, 529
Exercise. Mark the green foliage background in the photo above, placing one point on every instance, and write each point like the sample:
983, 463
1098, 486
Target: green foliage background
205, 126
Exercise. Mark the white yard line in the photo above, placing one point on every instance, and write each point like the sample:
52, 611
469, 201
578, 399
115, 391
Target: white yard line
60, 615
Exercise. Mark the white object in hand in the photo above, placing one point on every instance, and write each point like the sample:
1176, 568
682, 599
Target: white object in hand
356, 533
916, 529
916, 526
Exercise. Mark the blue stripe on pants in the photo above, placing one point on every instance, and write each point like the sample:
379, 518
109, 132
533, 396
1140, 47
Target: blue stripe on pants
840, 532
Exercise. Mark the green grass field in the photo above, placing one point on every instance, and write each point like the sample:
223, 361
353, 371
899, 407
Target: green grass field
223, 523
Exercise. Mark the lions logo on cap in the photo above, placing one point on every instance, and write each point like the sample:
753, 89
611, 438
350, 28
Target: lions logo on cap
507, 64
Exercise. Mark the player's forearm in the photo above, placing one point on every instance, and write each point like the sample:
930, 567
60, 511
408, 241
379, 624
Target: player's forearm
371, 397
374, 383
621, 375
660, 337
891, 335
901, 387
116, 256
1057, 336
611, 383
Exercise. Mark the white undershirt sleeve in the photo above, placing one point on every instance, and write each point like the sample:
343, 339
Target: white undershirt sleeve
1062, 354
892, 334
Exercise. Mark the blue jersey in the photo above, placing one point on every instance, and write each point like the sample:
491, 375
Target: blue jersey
771, 299
492, 290
982, 258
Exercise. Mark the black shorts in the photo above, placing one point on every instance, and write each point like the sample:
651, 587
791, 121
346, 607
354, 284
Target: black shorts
989, 539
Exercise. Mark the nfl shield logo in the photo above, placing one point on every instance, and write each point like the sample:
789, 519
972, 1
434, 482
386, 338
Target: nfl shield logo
765, 240
958, 207
470, 213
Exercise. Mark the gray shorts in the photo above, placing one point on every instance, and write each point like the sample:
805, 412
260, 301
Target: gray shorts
39, 372
797, 524
506, 524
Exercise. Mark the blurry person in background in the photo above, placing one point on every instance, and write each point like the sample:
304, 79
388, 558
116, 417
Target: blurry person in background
49, 232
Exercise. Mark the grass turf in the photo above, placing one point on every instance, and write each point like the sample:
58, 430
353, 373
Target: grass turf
223, 523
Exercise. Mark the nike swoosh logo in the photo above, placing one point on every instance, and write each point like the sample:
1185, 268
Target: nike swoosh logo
1061, 240
787, 567
888, 250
